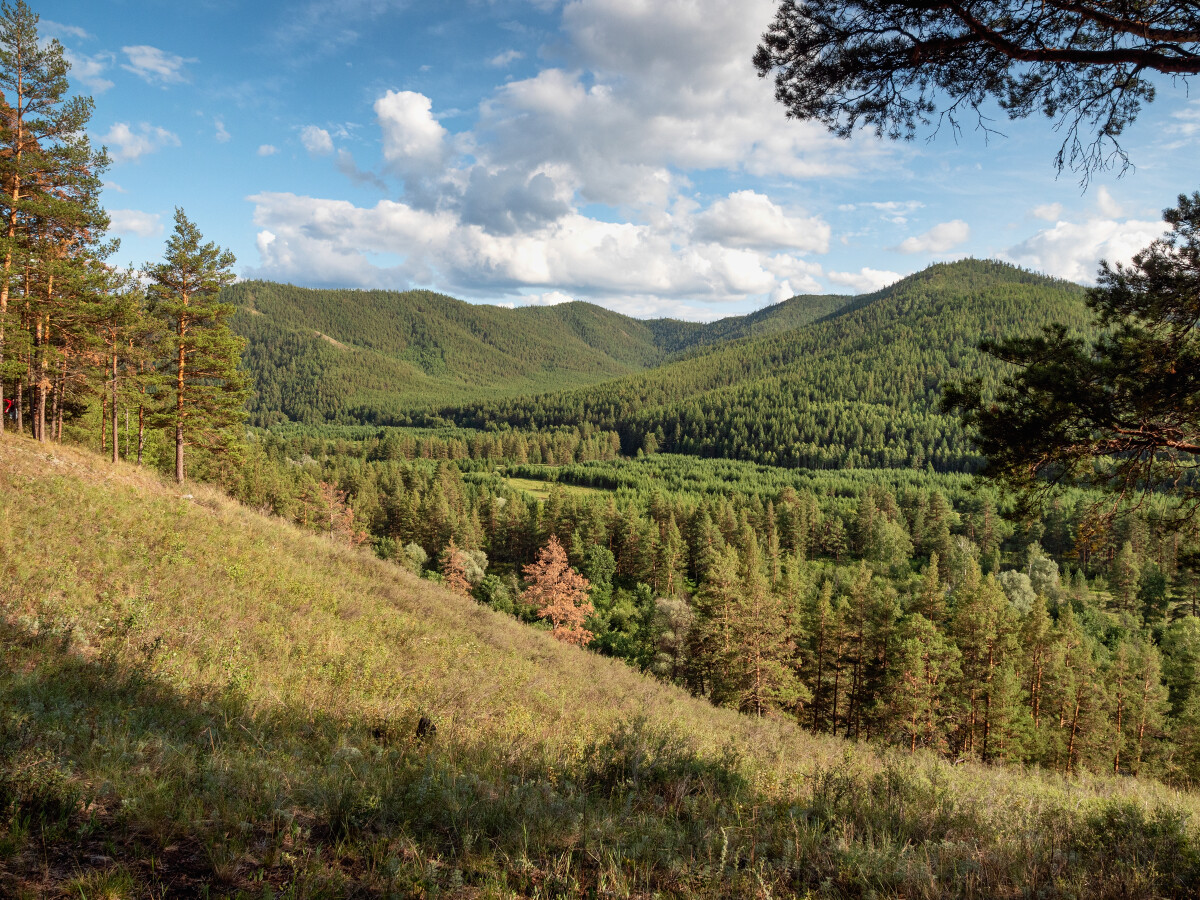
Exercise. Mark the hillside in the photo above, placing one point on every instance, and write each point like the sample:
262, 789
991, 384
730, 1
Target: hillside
858, 388
367, 356
196, 700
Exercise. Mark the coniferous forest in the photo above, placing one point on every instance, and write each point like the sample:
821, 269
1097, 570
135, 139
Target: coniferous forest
720, 609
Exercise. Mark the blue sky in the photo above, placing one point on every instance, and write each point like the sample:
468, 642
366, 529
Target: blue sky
617, 151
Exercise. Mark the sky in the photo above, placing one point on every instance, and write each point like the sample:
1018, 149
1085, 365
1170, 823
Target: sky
518, 152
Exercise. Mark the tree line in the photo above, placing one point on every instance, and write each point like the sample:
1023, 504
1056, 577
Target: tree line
76, 331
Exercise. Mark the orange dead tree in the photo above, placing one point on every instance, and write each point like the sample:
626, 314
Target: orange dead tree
560, 594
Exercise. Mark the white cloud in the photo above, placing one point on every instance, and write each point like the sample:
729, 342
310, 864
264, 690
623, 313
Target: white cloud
90, 69
395, 244
57, 29
865, 280
937, 239
1073, 251
652, 92
126, 144
154, 65
222, 136
1187, 120
1109, 208
550, 298
413, 140
136, 222
1050, 212
750, 219
316, 140
507, 58
267, 149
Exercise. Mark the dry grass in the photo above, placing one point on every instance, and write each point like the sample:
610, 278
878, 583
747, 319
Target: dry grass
194, 698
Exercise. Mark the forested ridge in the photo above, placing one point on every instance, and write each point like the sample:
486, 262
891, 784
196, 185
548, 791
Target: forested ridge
346, 356
859, 388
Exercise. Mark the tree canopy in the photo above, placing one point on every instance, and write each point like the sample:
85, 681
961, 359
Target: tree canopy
896, 67
1121, 411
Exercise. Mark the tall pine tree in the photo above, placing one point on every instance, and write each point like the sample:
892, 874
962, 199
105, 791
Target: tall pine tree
209, 389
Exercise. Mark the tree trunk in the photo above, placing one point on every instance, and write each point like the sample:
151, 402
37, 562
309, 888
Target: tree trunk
35, 380
58, 415
1117, 754
1074, 731
56, 392
115, 435
179, 388
141, 430
20, 411
12, 232
104, 423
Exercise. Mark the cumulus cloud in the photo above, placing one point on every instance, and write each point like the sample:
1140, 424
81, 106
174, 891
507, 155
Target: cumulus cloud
524, 202
865, 279
222, 134
316, 140
267, 149
937, 239
126, 144
136, 222
154, 65
750, 219
508, 201
413, 140
395, 244
1050, 212
1073, 250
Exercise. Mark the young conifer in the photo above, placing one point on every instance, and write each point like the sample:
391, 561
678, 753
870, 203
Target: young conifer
209, 389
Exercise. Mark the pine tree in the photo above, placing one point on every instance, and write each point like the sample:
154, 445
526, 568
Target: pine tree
1126, 576
1147, 704
209, 389
762, 647
559, 594
918, 700
43, 149
984, 630
713, 636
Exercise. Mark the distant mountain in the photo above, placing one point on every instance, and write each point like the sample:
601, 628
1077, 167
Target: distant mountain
371, 356
858, 388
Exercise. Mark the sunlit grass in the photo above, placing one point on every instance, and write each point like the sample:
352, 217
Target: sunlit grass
193, 695
540, 490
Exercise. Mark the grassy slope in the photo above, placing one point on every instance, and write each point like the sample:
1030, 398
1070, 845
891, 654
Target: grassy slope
383, 350
191, 694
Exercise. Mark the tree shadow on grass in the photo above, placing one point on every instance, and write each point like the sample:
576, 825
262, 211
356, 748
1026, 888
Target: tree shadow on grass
111, 775
103, 764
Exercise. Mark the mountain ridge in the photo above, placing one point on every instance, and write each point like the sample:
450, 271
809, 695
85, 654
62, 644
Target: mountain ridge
420, 347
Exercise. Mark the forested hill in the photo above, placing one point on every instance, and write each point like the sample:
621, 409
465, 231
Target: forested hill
858, 388
370, 356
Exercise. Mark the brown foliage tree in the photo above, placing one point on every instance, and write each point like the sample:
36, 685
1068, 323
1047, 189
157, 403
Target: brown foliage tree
454, 569
560, 594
